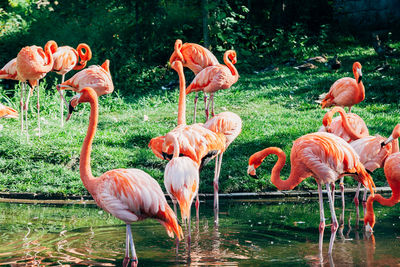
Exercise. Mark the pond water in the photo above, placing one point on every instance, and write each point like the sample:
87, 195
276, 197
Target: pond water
265, 233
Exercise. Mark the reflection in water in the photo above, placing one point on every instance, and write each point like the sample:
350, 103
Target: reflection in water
248, 234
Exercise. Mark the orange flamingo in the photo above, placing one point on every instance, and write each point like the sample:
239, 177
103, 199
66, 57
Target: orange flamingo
345, 92
181, 180
214, 78
33, 63
9, 71
196, 58
348, 126
66, 58
323, 156
230, 125
129, 194
97, 77
373, 152
392, 173
7, 112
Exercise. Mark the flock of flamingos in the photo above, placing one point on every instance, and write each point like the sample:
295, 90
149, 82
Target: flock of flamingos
342, 147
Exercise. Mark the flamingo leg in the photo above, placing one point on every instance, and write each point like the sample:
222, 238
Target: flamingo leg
126, 259
343, 201
21, 105
334, 226
61, 102
216, 204
357, 203
322, 218
38, 107
197, 207
26, 111
206, 105
212, 104
134, 257
333, 191
196, 97
364, 201
189, 239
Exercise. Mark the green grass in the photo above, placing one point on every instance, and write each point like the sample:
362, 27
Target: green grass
276, 108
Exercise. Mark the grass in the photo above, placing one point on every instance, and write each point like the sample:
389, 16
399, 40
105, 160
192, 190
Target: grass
276, 107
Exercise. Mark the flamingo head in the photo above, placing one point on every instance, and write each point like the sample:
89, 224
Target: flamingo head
357, 71
87, 94
254, 162
369, 222
395, 134
52, 45
231, 55
177, 65
177, 54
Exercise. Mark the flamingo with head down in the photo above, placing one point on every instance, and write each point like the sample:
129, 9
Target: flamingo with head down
323, 156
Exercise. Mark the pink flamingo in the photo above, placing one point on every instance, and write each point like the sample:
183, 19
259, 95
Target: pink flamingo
345, 92
33, 64
323, 156
181, 180
96, 77
196, 58
7, 112
129, 194
9, 71
348, 126
214, 78
66, 59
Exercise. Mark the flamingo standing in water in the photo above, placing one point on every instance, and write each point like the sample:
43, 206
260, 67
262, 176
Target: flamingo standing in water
373, 153
181, 180
66, 59
7, 112
196, 58
345, 92
195, 141
323, 156
214, 78
129, 194
9, 71
96, 77
33, 64
392, 173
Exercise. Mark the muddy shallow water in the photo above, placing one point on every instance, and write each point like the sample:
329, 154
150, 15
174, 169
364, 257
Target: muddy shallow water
249, 234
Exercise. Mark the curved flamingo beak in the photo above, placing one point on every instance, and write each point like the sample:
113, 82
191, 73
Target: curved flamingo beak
368, 228
360, 75
390, 139
252, 171
72, 104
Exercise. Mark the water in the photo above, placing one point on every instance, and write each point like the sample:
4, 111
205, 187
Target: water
249, 234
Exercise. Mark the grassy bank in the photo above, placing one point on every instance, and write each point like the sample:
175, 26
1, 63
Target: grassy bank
276, 108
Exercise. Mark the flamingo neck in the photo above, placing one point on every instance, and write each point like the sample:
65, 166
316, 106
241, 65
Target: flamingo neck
231, 67
395, 146
346, 124
182, 94
360, 85
48, 50
394, 199
176, 148
370, 215
293, 180
84, 163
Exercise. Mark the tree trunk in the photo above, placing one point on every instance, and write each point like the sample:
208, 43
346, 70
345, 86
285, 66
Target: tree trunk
205, 23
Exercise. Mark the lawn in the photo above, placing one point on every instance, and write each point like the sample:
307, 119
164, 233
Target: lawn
276, 107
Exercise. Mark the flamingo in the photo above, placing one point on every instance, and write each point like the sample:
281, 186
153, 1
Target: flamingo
7, 112
33, 64
392, 173
96, 77
66, 58
323, 156
181, 180
195, 141
196, 58
230, 125
373, 152
128, 194
345, 92
348, 126
214, 78
9, 71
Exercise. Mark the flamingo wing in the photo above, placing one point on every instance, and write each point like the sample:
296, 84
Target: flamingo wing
65, 59
132, 195
9, 71
197, 57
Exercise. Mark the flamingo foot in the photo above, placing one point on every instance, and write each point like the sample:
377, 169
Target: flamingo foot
125, 262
